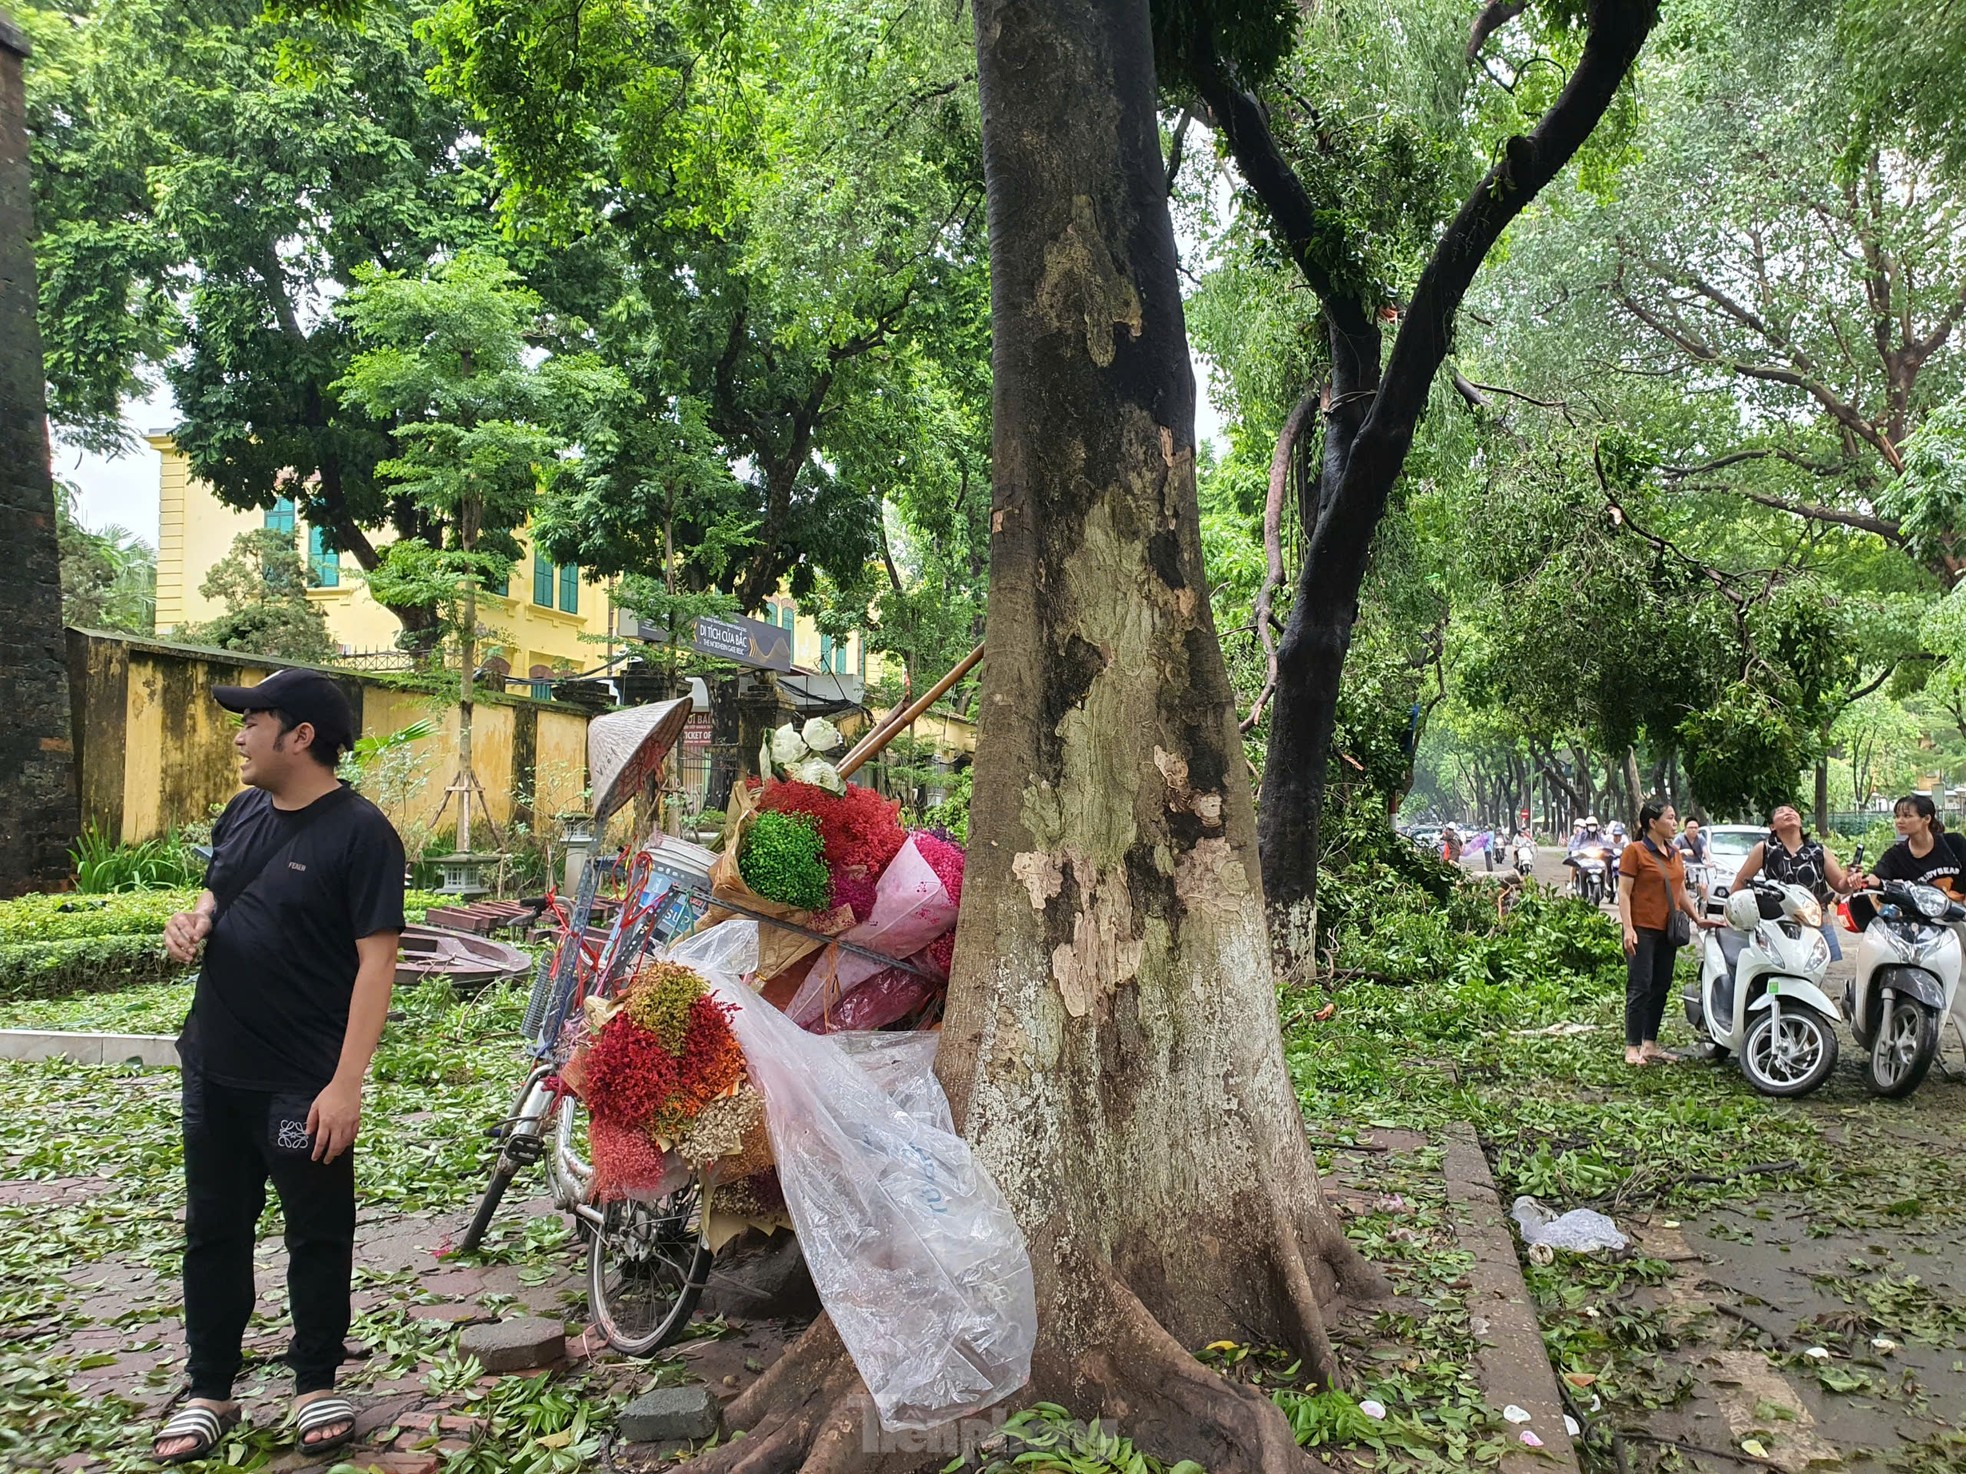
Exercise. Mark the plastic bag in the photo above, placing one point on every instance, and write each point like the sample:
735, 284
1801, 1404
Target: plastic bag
729, 950
911, 909
1581, 1230
876, 1003
911, 1245
904, 1066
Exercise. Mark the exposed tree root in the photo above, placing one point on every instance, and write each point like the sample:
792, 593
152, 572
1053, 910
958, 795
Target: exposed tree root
810, 1413
1172, 1406
1303, 1314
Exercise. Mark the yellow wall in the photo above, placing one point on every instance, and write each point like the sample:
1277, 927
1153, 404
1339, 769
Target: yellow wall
155, 751
950, 736
196, 530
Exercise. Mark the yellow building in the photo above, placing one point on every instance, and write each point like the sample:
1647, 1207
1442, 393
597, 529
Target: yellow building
537, 619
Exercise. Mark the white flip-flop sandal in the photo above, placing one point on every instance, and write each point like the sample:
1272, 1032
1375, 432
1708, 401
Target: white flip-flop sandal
208, 1425
324, 1412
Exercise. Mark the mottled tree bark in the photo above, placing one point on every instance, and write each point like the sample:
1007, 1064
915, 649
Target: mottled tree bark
1112, 1045
39, 811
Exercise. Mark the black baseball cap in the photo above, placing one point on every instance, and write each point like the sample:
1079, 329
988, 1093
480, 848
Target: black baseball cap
306, 696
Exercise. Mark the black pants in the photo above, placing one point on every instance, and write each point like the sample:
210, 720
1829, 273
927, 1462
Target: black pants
1648, 982
234, 1140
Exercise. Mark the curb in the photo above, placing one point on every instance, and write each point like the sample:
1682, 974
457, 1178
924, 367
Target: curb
85, 1048
1511, 1363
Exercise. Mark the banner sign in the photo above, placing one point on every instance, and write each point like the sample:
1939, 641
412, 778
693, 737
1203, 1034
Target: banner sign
749, 642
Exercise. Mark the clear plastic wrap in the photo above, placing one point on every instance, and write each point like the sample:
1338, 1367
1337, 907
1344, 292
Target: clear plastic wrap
1581, 1230
911, 1245
904, 1066
911, 909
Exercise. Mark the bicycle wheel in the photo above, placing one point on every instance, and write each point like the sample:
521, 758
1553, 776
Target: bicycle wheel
646, 1265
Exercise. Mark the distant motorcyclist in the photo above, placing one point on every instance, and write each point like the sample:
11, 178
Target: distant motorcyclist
1618, 843
1584, 835
1587, 842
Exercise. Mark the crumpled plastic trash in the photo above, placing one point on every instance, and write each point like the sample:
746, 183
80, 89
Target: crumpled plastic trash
1580, 1231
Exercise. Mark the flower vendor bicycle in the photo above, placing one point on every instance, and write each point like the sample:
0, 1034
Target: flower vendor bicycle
647, 1261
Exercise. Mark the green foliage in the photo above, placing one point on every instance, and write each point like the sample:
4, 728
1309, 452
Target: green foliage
952, 813
783, 860
1743, 752
263, 585
108, 578
102, 864
99, 964
479, 428
60, 917
1929, 496
789, 200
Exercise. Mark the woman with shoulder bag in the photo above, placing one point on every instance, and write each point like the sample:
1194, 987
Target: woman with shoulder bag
1659, 918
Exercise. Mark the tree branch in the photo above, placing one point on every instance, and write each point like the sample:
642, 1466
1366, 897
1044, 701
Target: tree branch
1245, 124
1618, 29
1494, 15
1293, 427
1174, 148
1883, 527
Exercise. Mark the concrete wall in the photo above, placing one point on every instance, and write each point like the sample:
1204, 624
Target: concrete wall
154, 751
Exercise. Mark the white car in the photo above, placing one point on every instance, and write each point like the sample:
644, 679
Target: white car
1727, 846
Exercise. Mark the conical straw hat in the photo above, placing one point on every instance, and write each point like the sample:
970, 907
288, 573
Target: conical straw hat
625, 747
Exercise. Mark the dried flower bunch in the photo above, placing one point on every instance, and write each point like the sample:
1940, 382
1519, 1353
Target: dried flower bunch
664, 1056
783, 860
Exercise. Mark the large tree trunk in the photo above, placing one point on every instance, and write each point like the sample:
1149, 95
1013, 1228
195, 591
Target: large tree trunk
1112, 1044
39, 817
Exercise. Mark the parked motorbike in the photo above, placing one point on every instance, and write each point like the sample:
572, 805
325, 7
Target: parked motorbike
1907, 983
1590, 872
1760, 994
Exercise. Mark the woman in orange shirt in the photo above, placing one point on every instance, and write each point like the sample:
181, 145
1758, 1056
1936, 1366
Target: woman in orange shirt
1655, 885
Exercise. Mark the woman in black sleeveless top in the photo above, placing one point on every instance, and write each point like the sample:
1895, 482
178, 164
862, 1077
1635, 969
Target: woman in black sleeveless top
1790, 857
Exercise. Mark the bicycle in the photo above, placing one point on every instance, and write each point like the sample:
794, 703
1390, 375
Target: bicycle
647, 1262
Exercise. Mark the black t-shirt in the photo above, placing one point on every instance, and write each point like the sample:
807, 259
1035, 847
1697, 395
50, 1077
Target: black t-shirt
1944, 862
271, 1006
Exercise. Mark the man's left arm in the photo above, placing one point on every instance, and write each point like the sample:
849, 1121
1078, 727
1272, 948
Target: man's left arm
336, 1115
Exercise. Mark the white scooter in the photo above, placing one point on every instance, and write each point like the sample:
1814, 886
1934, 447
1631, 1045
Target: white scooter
1907, 983
1761, 989
1522, 855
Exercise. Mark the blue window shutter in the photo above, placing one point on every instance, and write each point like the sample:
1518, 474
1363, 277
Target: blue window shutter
542, 579
325, 562
280, 516
570, 588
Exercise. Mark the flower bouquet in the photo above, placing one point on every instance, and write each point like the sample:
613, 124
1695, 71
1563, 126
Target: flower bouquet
662, 1077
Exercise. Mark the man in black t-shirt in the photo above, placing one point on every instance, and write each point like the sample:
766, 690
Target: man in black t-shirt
298, 927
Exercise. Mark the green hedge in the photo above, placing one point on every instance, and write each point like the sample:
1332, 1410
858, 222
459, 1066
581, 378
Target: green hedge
67, 917
55, 945
83, 965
